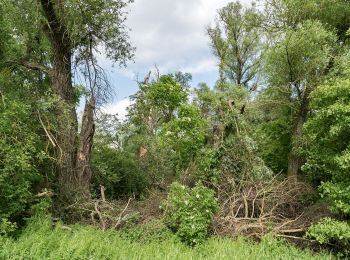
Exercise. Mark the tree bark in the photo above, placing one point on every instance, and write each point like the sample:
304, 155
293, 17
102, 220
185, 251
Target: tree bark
85, 146
295, 161
73, 172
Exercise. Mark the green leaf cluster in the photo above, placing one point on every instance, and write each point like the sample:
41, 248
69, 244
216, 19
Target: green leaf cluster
189, 212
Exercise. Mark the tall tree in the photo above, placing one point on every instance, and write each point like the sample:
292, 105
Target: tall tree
70, 34
297, 62
236, 42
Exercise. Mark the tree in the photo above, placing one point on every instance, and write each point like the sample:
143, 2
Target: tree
184, 135
236, 42
156, 102
298, 62
328, 143
59, 36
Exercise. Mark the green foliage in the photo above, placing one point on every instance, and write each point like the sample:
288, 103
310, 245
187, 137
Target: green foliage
235, 41
189, 212
42, 207
207, 166
185, 134
41, 241
205, 99
273, 123
333, 14
89, 25
19, 156
147, 233
338, 194
328, 138
299, 56
239, 160
115, 165
274, 143
159, 163
332, 232
6, 227
156, 103
118, 171
97, 23
166, 94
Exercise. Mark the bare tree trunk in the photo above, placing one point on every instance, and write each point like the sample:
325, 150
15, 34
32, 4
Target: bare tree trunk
295, 161
85, 145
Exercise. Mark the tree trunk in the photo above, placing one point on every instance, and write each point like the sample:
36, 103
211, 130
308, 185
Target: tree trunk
295, 161
67, 129
85, 145
73, 172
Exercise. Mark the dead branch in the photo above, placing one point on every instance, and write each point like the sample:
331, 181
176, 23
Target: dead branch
121, 214
46, 131
36, 66
253, 208
102, 188
100, 216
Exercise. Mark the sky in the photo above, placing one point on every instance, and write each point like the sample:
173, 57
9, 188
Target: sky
170, 34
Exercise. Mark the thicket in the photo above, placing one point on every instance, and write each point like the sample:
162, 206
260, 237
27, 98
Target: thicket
264, 152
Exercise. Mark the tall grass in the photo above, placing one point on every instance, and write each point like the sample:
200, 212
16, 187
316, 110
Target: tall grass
41, 241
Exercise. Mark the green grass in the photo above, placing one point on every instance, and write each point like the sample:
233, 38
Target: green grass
41, 241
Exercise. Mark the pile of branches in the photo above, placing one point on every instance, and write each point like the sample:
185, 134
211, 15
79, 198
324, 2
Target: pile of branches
106, 214
255, 208
118, 214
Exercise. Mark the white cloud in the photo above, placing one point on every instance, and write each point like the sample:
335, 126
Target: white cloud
119, 108
201, 66
172, 34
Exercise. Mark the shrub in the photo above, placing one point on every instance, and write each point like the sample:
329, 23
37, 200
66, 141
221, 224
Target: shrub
328, 153
332, 232
6, 227
118, 171
20, 155
189, 212
339, 196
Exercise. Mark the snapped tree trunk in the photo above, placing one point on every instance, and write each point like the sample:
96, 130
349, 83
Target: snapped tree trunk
85, 145
295, 161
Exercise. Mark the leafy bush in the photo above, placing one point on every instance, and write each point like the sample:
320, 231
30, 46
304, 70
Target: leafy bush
334, 232
6, 226
20, 155
328, 139
118, 171
274, 142
339, 196
189, 212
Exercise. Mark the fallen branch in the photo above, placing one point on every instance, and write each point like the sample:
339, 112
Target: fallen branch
100, 216
121, 214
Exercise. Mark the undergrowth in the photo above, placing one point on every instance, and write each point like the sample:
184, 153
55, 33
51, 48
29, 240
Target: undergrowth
42, 240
